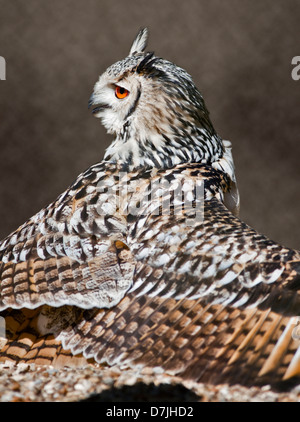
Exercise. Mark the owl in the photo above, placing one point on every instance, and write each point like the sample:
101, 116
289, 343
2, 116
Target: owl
143, 261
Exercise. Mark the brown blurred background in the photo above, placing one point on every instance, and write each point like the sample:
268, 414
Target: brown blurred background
238, 52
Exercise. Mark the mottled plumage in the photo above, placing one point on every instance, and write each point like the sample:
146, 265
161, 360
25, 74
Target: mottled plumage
143, 259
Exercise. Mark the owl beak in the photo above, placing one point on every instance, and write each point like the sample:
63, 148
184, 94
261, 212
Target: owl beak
99, 107
91, 100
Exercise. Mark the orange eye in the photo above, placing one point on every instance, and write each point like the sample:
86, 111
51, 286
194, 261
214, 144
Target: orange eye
121, 92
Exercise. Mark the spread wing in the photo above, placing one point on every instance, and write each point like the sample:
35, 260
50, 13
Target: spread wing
222, 309
70, 253
219, 259
210, 298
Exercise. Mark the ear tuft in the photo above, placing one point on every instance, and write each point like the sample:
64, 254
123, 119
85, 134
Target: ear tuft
140, 42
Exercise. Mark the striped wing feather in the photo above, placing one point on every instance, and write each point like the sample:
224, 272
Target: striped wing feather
212, 301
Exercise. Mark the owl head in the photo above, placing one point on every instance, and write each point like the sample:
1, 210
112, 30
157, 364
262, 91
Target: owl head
154, 110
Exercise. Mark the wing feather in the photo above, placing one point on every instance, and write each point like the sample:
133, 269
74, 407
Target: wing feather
220, 259
70, 253
212, 300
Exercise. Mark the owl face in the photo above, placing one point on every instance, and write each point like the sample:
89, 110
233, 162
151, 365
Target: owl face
116, 95
144, 91
155, 111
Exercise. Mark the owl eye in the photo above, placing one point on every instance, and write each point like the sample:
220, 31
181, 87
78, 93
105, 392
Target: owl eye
121, 92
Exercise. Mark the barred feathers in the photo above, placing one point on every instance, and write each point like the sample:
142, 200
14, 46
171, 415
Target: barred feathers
143, 260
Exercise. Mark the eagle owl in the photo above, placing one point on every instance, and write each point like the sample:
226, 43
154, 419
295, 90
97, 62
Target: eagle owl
143, 260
